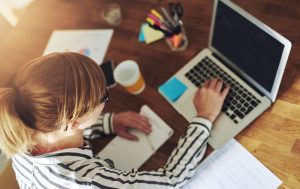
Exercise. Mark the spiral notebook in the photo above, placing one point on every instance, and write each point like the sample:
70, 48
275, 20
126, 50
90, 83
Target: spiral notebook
127, 154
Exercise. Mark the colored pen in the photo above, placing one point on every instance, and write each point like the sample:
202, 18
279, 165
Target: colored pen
159, 16
158, 22
150, 21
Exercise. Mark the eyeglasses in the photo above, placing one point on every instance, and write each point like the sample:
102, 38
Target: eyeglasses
105, 98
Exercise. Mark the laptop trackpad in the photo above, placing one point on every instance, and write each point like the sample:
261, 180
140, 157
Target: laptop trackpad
186, 108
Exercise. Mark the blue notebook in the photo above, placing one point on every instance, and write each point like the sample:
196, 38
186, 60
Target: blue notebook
172, 89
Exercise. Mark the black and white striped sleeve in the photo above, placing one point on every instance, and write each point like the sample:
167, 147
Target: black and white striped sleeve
103, 126
179, 168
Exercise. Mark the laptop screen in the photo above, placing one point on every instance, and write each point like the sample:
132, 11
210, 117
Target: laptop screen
247, 46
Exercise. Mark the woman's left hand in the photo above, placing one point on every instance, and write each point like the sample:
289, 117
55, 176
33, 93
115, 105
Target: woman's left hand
123, 122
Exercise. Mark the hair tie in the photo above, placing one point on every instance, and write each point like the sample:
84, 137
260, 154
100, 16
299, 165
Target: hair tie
20, 109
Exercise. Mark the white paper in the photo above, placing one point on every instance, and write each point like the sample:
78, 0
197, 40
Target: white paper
127, 154
92, 43
233, 167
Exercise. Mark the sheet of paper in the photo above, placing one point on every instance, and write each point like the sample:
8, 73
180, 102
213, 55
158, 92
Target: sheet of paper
233, 167
151, 35
92, 43
141, 35
127, 154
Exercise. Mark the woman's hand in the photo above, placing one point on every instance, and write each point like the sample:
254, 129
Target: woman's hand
209, 99
123, 122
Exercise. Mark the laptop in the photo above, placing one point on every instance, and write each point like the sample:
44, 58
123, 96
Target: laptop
248, 56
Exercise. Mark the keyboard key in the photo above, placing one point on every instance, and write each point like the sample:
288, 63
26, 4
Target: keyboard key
239, 101
226, 103
232, 116
253, 103
232, 108
224, 109
248, 110
238, 113
198, 83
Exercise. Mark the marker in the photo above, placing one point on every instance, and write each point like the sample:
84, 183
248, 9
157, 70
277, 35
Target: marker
157, 22
150, 21
159, 16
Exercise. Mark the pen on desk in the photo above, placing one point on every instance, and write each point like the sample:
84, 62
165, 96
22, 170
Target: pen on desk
150, 143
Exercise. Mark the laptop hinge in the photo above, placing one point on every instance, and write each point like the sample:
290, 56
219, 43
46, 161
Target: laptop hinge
240, 76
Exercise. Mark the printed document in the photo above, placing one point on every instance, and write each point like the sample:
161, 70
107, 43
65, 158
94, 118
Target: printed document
233, 167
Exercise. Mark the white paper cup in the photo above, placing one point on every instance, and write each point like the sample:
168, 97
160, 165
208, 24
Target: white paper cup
128, 74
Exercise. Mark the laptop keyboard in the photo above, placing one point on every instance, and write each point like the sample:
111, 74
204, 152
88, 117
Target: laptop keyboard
239, 101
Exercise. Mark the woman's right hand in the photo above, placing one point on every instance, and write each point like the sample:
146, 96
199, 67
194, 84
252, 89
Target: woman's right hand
209, 99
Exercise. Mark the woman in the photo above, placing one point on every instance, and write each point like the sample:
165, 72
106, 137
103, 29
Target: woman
54, 106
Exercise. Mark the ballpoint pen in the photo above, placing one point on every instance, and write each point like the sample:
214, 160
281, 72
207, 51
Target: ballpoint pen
150, 143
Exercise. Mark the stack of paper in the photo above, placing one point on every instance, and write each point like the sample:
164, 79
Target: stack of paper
149, 35
233, 167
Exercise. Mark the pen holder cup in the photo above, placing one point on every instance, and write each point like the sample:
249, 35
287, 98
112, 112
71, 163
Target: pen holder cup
179, 41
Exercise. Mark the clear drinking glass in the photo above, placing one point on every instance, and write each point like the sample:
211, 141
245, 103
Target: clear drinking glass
178, 42
112, 14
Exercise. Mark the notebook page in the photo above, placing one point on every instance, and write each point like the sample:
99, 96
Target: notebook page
161, 131
128, 154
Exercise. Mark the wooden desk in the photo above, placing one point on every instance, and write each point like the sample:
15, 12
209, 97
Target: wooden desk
274, 138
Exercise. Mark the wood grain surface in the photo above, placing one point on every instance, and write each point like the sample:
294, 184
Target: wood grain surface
273, 138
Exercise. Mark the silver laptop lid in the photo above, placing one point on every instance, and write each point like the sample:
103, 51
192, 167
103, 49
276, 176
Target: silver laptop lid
252, 49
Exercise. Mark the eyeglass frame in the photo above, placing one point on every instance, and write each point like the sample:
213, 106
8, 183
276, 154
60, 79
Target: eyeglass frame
105, 99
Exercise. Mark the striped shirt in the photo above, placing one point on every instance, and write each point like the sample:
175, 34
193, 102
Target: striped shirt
80, 168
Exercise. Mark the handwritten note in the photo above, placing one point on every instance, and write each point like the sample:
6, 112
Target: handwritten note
233, 167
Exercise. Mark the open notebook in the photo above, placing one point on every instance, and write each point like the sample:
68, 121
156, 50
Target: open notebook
128, 154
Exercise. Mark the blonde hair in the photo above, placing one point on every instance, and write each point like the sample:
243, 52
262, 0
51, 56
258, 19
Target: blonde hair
46, 93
